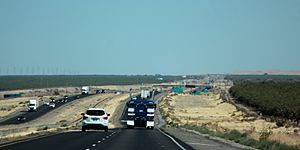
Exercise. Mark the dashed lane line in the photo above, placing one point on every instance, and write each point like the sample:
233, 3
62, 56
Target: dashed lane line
103, 139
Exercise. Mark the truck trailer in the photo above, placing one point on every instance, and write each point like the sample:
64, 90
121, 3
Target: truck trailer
140, 113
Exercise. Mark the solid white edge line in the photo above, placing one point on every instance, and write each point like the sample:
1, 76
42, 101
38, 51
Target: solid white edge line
180, 146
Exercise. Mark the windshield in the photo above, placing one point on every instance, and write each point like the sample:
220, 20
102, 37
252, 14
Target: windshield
95, 112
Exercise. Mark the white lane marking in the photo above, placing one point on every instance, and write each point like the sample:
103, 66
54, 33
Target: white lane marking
203, 144
94, 145
87, 149
180, 146
107, 136
103, 139
99, 142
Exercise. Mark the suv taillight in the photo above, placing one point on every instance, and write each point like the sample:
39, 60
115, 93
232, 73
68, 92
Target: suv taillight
105, 118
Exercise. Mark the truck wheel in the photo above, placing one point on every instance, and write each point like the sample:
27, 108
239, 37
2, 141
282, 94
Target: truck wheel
83, 129
130, 127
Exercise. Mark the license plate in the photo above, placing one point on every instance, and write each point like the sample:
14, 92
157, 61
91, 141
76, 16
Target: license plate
95, 119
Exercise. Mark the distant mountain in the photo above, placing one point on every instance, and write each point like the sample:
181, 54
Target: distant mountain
269, 72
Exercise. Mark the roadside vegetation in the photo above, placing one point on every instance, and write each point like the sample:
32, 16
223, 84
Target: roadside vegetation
259, 78
242, 138
47, 81
272, 98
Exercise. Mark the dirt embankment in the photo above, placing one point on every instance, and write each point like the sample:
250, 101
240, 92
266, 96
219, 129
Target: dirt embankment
211, 111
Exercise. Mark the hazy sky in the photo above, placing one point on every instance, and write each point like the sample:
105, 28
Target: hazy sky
148, 36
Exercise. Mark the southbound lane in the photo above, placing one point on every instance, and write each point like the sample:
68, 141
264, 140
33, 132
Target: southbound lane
43, 109
125, 139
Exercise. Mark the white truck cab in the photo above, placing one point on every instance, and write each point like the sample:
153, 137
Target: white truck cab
85, 90
33, 105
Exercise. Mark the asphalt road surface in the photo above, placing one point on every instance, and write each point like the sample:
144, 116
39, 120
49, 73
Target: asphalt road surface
125, 139
43, 109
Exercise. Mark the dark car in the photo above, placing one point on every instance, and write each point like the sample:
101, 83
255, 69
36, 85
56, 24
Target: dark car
21, 118
65, 99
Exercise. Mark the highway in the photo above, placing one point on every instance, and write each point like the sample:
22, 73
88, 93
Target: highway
43, 109
125, 139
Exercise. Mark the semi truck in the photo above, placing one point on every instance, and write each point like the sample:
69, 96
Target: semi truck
85, 90
140, 113
33, 105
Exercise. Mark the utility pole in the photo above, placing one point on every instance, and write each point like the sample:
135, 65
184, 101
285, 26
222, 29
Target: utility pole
130, 95
153, 92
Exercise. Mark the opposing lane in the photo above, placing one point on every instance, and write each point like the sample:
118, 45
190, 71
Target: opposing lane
43, 109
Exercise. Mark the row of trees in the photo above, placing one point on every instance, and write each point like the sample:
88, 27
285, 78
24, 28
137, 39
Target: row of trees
45, 81
273, 98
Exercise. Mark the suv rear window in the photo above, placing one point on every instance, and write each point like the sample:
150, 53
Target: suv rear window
95, 112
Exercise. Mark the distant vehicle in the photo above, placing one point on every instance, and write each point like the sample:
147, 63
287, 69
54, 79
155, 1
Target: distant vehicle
33, 105
46, 103
100, 91
85, 90
52, 105
95, 118
145, 94
140, 113
65, 99
21, 118
52, 100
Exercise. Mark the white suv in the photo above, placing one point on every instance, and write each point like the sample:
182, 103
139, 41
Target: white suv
95, 118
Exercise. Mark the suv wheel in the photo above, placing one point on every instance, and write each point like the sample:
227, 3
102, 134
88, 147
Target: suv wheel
83, 129
130, 127
106, 129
